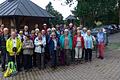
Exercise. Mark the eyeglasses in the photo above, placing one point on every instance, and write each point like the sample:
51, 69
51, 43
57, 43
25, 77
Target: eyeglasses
53, 35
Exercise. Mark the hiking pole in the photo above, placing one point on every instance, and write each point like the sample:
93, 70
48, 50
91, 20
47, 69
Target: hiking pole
15, 52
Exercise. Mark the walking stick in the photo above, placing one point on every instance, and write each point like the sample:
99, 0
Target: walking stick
15, 52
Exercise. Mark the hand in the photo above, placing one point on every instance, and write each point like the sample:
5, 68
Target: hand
27, 46
0, 52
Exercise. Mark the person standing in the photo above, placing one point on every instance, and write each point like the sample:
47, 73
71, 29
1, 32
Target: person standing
53, 44
1, 29
84, 34
40, 50
101, 43
66, 44
88, 46
4, 53
32, 37
26, 32
27, 52
21, 36
78, 44
14, 43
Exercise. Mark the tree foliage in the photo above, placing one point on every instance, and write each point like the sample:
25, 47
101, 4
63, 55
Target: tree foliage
58, 18
89, 11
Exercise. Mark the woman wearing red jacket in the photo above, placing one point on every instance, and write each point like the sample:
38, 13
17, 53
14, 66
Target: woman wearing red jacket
78, 45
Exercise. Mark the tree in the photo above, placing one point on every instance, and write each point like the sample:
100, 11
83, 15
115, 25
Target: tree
58, 18
89, 11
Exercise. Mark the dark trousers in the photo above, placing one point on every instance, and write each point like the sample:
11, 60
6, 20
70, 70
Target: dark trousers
34, 59
53, 55
3, 59
72, 55
21, 59
62, 57
27, 61
83, 53
88, 54
40, 60
67, 56
12, 58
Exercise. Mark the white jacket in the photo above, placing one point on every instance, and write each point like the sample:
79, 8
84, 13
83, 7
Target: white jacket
38, 48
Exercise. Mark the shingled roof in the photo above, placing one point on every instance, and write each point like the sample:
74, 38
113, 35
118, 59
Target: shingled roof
70, 17
22, 8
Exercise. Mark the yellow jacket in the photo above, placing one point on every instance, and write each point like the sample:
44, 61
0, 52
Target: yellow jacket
9, 46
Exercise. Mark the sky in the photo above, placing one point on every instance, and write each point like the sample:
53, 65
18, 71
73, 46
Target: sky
65, 10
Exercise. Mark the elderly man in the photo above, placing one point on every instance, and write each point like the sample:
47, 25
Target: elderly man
3, 39
14, 43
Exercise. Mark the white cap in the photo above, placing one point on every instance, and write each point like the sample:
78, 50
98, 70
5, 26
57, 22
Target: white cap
78, 28
44, 24
84, 28
37, 29
66, 30
70, 24
53, 29
48, 29
5, 29
43, 30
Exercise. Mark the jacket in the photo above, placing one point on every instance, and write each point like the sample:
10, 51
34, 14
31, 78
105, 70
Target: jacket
75, 41
52, 45
62, 39
9, 46
3, 42
38, 48
28, 50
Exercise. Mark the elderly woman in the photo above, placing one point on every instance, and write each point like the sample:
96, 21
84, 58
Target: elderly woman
78, 44
101, 43
66, 45
89, 39
27, 52
40, 43
53, 44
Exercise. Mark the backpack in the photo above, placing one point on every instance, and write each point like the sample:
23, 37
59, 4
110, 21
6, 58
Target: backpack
11, 69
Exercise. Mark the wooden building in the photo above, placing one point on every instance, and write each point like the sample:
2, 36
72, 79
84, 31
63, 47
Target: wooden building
19, 13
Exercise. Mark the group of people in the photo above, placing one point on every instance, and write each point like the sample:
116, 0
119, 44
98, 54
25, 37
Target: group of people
59, 45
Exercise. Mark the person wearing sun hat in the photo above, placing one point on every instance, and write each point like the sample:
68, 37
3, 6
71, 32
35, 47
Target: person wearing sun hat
66, 45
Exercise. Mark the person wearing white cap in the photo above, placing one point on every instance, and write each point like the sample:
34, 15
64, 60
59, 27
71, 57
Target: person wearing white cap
66, 45
84, 34
21, 36
36, 31
45, 27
